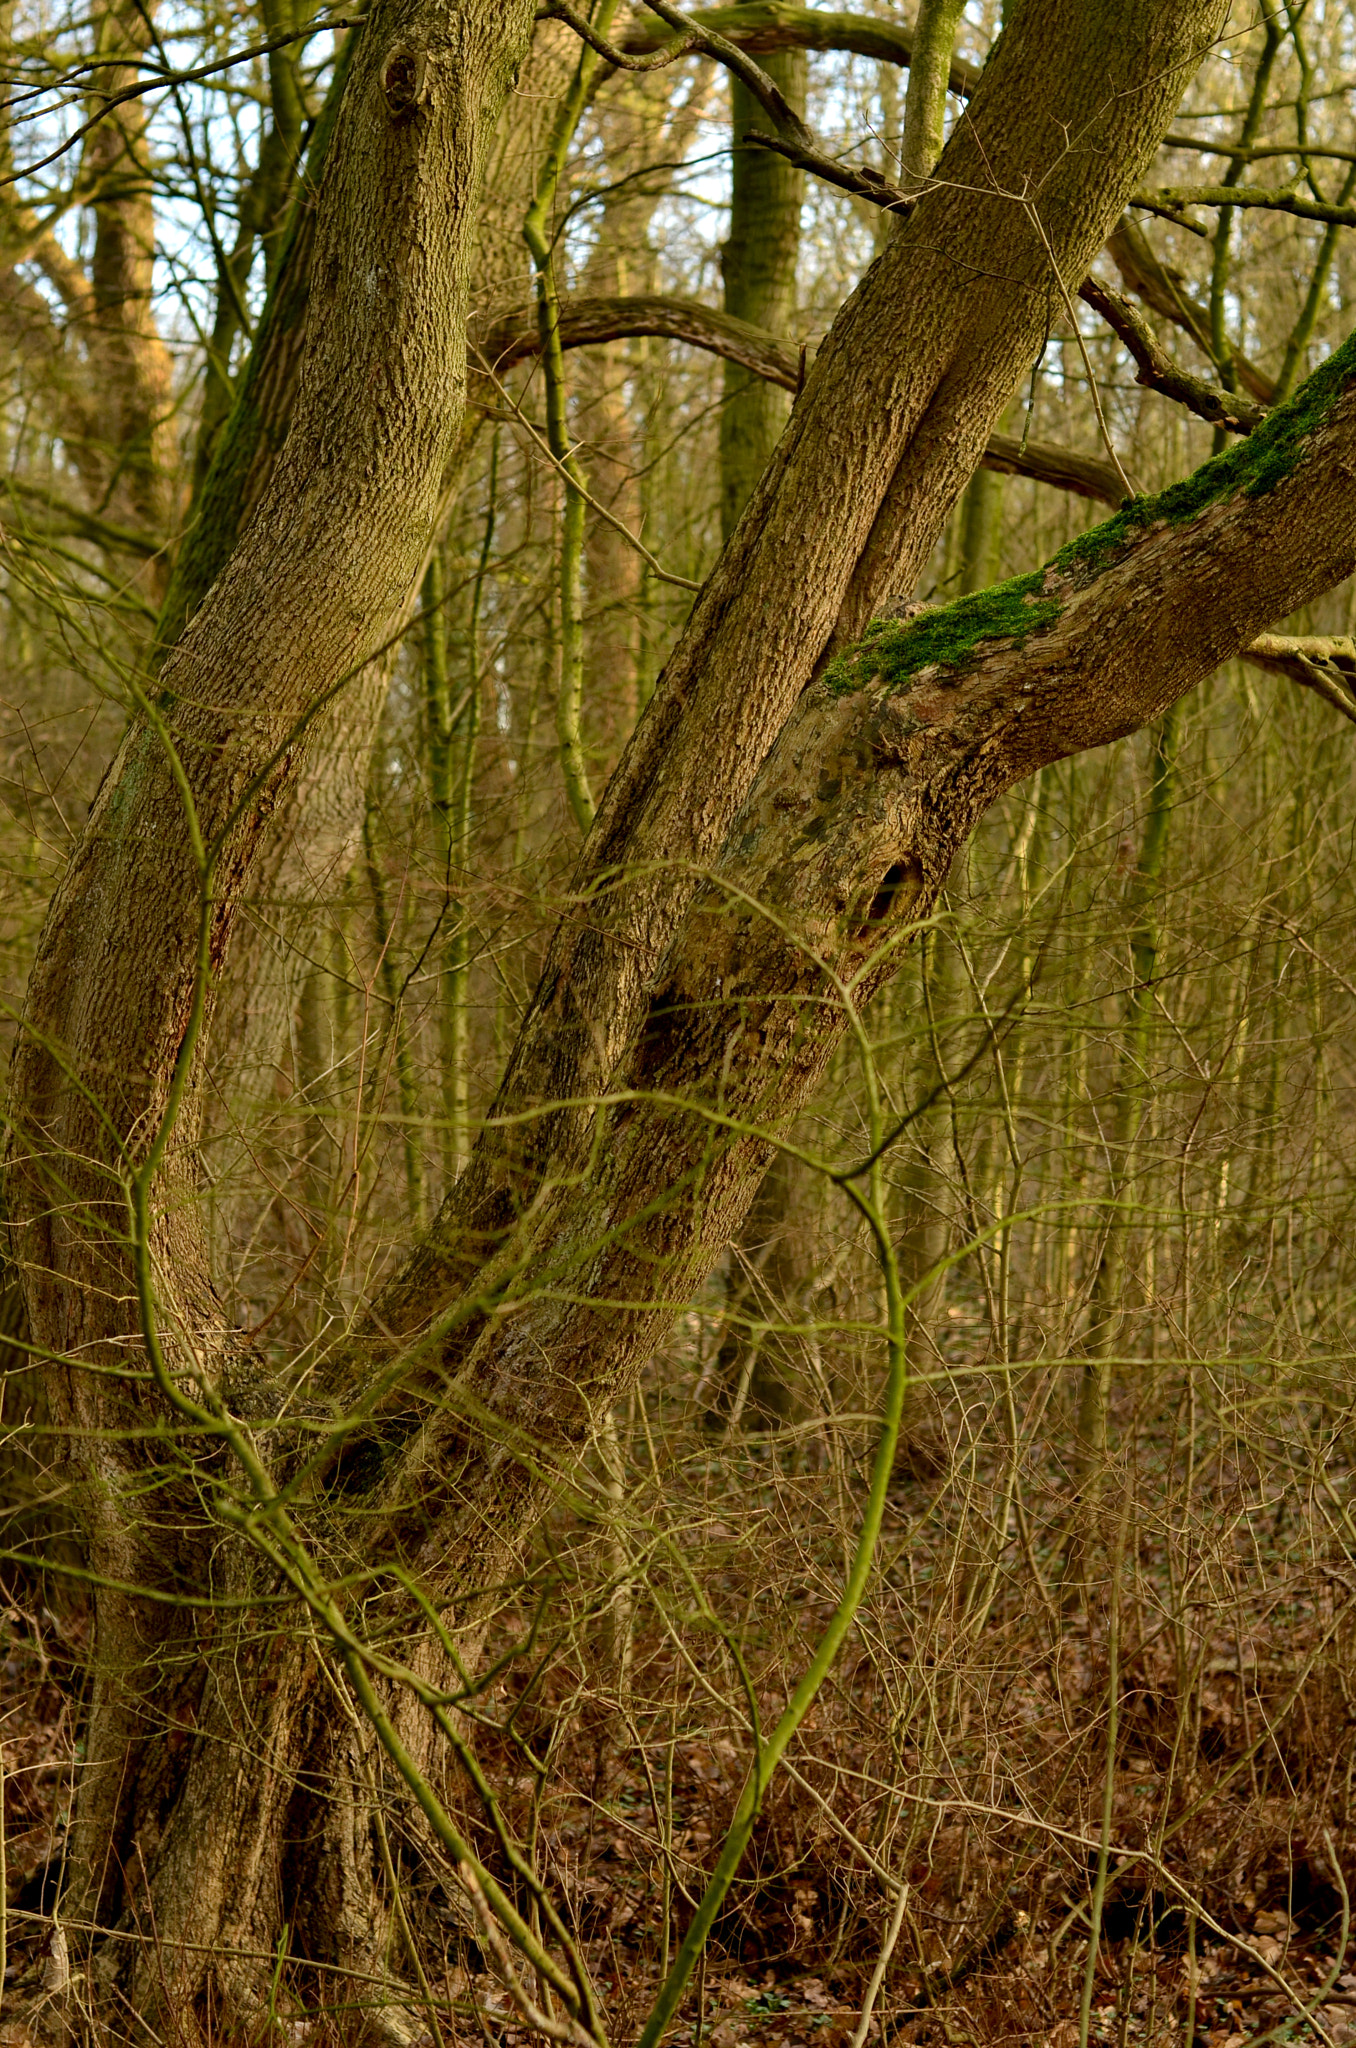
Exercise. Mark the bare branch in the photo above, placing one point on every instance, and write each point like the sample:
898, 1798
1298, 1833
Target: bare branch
1172, 199
163, 78
588, 322
769, 96
655, 60
1158, 370
862, 181
1259, 152
1325, 665
767, 25
1064, 469
1162, 292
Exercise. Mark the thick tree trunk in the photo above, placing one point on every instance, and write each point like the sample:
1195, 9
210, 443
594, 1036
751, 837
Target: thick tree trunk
687, 1024
167, 1816
883, 770
894, 417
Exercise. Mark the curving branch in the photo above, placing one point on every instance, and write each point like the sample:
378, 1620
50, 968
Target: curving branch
706, 36
1159, 371
761, 26
1162, 292
650, 60
861, 180
587, 322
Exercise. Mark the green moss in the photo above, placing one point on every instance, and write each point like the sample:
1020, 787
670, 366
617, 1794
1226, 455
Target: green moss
898, 648
1251, 467
895, 649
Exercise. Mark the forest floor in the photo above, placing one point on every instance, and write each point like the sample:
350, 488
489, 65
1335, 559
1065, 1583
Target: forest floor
960, 1749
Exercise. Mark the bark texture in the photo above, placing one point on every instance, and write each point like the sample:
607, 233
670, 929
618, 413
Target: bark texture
882, 771
587, 322
328, 561
894, 417
758, 267
790, 803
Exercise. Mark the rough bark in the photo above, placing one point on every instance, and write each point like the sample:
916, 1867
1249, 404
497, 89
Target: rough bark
894, 417
587, 322
880, 774
322, 574
762, 779
758, 268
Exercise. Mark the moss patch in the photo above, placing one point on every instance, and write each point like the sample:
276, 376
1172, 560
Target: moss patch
895, 649
898, 648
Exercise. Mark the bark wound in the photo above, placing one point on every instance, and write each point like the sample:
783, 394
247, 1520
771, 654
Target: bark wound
901, 877
404, 80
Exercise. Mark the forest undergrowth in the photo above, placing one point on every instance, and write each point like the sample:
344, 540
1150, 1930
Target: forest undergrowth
947, 1806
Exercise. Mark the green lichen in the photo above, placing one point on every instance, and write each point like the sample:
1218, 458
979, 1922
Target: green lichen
896, 649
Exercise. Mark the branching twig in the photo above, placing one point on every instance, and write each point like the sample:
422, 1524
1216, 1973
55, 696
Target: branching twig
743, 67
532, 2016
862, 181
1158, 370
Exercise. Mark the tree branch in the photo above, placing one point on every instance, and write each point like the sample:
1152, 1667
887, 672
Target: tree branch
587, 322
764, 89
1326, 666
66, 519
1161, 291
882, 770
862, 182
1158, 370
1173, 199
768, 25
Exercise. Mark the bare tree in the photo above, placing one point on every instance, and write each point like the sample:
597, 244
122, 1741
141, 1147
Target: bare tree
785, 814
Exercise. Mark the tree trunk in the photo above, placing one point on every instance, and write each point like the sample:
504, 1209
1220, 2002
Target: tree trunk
895, 414
758, 267
883, 770
835, 795
111, 1055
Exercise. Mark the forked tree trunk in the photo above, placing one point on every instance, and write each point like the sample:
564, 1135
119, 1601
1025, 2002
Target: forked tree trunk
896, 411
840, 805
881, 774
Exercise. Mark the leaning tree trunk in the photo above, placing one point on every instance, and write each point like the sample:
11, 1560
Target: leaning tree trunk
883, 770
670, 983
892, 422
168, 1827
